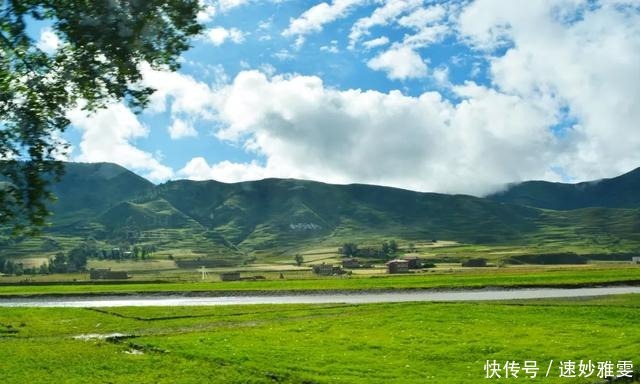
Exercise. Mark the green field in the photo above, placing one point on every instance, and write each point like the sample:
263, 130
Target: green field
463, 278
376, 343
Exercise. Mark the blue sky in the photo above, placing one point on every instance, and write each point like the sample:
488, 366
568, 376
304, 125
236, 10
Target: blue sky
446, 96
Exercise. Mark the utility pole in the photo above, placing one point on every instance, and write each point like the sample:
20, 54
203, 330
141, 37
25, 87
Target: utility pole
204, 272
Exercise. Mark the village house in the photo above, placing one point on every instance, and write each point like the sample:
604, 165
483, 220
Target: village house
398, 266
351, 263
230, 276
635, 260
414, 262
107, 274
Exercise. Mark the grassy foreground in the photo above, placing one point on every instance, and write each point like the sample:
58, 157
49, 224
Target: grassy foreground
476, 278
377, 343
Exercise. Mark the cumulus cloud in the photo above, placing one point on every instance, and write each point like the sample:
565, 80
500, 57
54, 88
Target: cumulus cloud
382, 15
331, 48
426, 36
561, 99
207, 11
313, 19
377, 42
225, 171
181, 94
219, 35
107, 135
400, 63
181, 128
423, 17
226, 5
306, 130
210, 8
579, 59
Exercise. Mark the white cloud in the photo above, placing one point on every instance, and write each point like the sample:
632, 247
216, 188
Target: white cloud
305, 130
225, 171
400, 63
220, 35
585, 67
207, 12
425, 25
422, 17
226, 5
187, 96
297, 45
210, 8
268, 69
426, 36
331, 48
313, 19
49, 41
107, 136
265, 24
441, 75
381, 16
558, 58
283, 55
378, 42
181, 128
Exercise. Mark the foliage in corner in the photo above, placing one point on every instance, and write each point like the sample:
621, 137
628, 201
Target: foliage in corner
103, 44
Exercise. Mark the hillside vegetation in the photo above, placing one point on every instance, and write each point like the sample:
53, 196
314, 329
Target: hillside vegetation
235, 223
617, 192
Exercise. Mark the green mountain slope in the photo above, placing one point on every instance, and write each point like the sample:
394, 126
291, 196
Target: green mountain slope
273, 212
152, 214
86, 190
231, 222
617, 192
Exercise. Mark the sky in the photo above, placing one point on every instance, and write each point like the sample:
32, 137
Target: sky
442, 96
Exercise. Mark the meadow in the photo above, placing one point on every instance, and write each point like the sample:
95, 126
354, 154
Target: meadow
374, 343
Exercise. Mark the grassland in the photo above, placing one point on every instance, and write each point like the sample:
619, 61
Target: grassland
378, 343
461, 278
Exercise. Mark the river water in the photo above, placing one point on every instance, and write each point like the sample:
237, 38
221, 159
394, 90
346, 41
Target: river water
142, 300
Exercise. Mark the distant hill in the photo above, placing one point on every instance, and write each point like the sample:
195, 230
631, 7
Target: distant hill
196, 220
274, 212
87, 190
618, 192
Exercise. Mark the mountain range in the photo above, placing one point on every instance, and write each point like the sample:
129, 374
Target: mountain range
210, 219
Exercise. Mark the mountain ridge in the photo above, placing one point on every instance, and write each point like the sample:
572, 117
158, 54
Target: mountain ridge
614, 192
203, 219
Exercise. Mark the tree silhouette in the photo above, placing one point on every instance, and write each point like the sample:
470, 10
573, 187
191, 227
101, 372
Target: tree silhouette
103, 44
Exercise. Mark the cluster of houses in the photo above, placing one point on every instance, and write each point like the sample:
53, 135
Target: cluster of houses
235, 276
327, 270
402, 265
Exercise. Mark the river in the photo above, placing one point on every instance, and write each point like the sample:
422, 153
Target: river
145, 300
